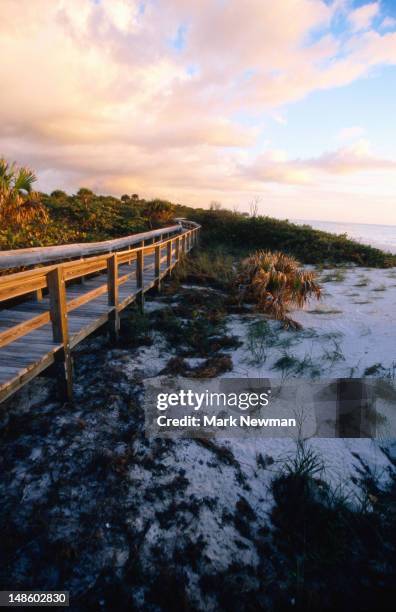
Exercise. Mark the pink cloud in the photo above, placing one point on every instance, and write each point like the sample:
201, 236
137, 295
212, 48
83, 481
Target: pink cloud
362, 17
351, 159
95, 93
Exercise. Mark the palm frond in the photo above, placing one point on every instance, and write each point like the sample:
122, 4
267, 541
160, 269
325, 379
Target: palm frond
275, 282
24, 180
19, 204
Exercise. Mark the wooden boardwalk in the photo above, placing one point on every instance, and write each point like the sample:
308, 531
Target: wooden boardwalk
48, 310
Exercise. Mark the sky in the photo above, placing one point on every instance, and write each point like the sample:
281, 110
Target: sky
289, 106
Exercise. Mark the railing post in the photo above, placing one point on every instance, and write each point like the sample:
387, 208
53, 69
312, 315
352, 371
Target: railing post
38, 294
157, 267
112, 289
177, 254
169, 254
140, 279
60, 331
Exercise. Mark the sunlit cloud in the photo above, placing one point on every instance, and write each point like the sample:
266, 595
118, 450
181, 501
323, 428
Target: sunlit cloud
118, 98
362, 17
274, 166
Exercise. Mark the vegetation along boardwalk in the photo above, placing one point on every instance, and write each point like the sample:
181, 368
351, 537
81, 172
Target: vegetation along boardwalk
48, 310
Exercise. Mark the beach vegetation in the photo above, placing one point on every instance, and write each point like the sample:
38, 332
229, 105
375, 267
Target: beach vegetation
334, 354
21, 209
324, 311
274, 283
244, 233
291, 365
40, 219
336, 276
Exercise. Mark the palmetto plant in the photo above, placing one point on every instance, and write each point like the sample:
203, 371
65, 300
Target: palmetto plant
19, 204
275, 282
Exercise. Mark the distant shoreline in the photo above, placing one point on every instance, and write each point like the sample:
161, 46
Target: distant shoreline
379, 236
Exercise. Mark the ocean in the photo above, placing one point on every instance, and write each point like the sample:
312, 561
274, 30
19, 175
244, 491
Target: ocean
379, 236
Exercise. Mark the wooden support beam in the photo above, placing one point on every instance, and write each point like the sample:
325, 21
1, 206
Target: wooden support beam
112, 291
139, 269
139, 279
177, 254
169, 254
157, 267
60, 331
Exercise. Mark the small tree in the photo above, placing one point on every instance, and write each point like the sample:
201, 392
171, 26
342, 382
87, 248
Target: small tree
158, 212
20, 206
215, 205
254, 206
58, 194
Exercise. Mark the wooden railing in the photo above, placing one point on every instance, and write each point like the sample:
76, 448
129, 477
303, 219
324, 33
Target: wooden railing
41, 255
142, 262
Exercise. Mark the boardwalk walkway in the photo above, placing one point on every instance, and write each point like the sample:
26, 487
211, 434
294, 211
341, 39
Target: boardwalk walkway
48, 310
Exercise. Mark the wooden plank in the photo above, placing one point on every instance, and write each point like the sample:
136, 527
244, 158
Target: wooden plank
88, 329
148, 250
127, 257
86, 297
21, 378
21, 329
77, 269
13, 288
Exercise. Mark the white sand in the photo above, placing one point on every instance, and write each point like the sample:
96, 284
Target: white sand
350, 329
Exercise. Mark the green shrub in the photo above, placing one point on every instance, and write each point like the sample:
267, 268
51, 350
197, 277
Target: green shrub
274, 282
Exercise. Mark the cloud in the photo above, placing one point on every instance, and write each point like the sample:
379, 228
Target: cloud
350, 133
362, 17
388, 23
352, 159
95, 94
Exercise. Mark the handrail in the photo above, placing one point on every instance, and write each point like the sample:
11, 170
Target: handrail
143, 267
38, 255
